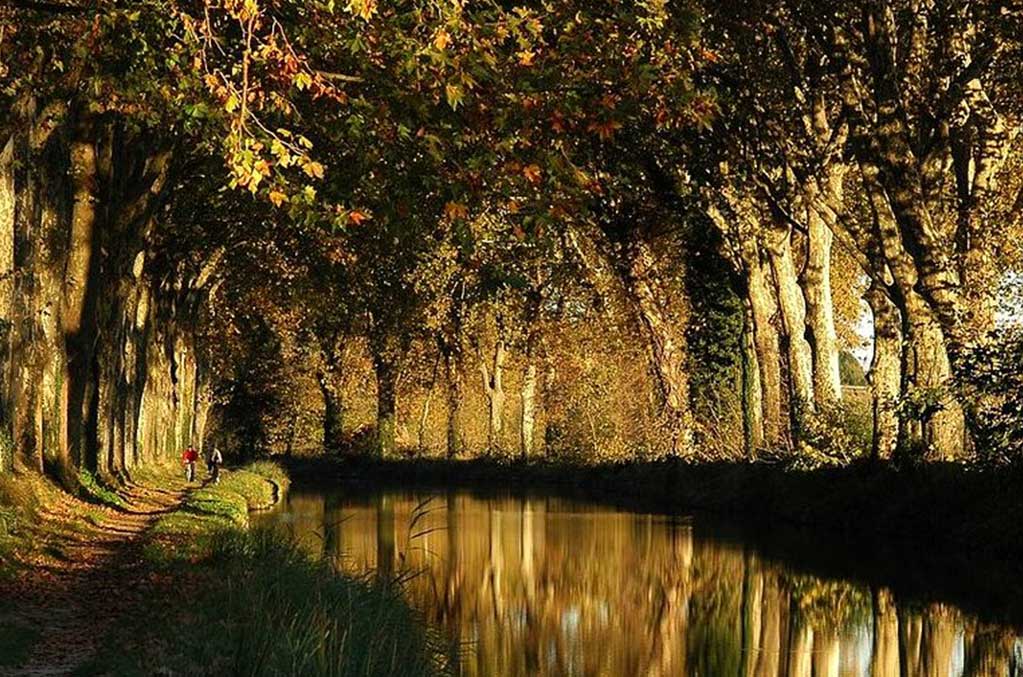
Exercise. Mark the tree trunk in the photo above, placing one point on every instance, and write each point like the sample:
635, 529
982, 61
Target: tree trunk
665, 330
936, 427
827, 382
752, 393
793, 317
7, 212
453, 377
528, 425
937, 431
387, 381
766, 344
493, 384
333, 412
424, 414
885, 372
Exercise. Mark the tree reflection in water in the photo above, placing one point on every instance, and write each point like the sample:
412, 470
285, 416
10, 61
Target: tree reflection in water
543, 586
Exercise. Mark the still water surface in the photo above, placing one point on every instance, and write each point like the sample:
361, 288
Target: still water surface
548, 586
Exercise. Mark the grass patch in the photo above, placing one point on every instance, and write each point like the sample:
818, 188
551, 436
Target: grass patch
255, 604
187, 533
263, 607
94, 491
21, 498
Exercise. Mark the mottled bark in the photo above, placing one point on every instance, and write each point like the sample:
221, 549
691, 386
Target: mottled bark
527, 428
767, 346
936, 429
99, 370
885, 372
493, 386
752, 392
453, 381
820, 315
793, 319
7, 223
83, 220
664, 324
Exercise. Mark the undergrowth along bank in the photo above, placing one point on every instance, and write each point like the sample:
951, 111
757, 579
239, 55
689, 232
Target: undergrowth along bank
248, 601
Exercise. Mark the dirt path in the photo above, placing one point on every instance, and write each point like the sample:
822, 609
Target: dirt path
91, 574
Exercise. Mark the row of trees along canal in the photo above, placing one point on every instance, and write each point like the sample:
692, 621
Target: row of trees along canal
628, 230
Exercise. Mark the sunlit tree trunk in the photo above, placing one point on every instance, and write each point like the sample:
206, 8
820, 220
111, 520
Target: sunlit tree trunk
453, 383
827, 382
7, 212
527, 428
665, 329
934, 430
424, 412
493, 385
885, 372
752, 393
793, 317
767, 346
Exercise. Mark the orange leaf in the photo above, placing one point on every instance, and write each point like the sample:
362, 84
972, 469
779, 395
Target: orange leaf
455, 211
441, 40
532, 173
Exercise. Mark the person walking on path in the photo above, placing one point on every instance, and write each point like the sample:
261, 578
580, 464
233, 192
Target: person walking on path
213, 462
189, 457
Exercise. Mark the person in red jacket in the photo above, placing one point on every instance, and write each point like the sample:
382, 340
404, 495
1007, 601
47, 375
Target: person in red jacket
189, 456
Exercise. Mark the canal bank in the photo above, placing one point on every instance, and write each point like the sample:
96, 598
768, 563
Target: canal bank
163, 576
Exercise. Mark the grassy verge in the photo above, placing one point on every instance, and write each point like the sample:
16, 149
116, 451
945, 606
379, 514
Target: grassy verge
230, 600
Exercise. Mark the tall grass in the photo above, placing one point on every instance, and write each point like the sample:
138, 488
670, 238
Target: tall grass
274, 611
252, 603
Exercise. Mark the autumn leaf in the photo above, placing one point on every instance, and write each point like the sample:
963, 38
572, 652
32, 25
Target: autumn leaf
455, 211
526, 57
454, 95
278, 198
313, 169
532, 173
357, 217
605, 130
303, 80
441, 40
364, 9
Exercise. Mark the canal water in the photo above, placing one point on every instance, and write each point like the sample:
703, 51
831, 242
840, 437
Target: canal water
526, 586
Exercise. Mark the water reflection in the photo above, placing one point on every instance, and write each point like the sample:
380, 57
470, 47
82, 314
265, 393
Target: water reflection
543, 586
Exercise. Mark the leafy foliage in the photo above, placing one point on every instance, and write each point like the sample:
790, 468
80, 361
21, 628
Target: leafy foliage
992, 380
